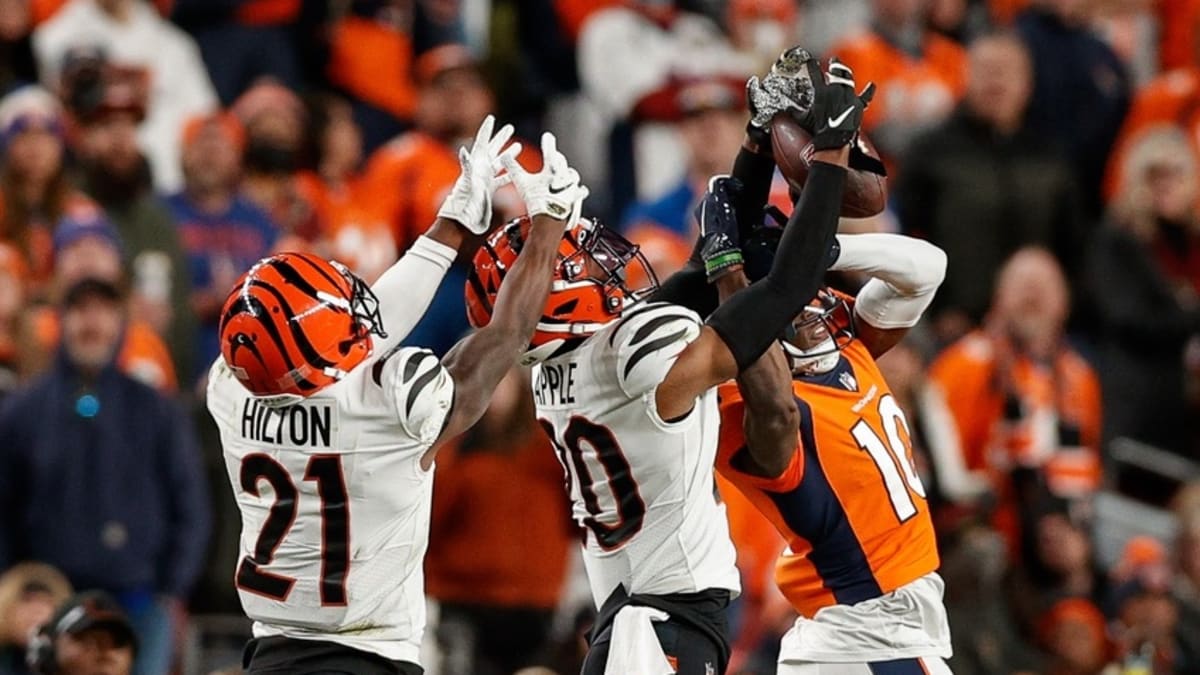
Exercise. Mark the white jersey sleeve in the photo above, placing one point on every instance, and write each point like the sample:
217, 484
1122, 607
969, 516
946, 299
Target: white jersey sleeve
420, 389
647, 342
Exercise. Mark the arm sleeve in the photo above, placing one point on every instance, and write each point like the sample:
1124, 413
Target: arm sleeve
689, 286
407, 287
755, 172
421, 389
905, 273
755, 317
191, 515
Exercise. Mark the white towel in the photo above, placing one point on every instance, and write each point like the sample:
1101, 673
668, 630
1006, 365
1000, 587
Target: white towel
635, 649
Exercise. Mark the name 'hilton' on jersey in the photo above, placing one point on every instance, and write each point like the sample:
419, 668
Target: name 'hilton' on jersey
335, 505
642, 487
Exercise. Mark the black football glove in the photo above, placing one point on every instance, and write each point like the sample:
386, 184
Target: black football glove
719, 247
837, 112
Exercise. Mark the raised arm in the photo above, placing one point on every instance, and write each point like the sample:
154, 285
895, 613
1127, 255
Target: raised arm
553, 198
905, 274
739, 331
408, 286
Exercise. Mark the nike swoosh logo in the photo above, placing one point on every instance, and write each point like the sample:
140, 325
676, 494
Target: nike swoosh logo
837, 121
557, 190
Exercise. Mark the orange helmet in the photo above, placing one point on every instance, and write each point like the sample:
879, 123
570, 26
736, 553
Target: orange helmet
295, 324
589, 287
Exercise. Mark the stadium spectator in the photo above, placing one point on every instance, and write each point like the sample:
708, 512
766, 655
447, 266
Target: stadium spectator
243, 40
500, 490
89, 248
132, 34
920, 74
632, 55
352, 233
29, 594
761, 29
1145, 621
985, 636
405, 181
1081, 90
100, 476
1011, 409
710, 119
17, 66
115, 174
221, 231
1144, 275
1171, 98
34, 190
981, 187
371, 58
275, 121
88, 635
1073, 633
1056, 563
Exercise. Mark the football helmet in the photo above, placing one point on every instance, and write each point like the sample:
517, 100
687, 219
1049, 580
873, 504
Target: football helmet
295, 324
590, 286
819, 333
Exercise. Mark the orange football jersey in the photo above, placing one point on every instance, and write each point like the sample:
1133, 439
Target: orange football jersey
850, 504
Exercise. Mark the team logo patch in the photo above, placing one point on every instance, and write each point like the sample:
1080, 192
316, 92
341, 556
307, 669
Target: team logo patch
847, 380
709, 668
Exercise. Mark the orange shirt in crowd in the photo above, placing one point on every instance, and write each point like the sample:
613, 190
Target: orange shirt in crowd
1170, 98
351, 233
1007, 411
849, 505
911, 91
501, 531
373, 61
38, 247
406, 181
142, 356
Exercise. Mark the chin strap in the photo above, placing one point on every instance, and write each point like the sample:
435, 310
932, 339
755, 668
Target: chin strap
816, 361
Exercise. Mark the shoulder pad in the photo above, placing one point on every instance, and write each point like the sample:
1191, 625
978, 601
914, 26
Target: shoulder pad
646, 343
420, 388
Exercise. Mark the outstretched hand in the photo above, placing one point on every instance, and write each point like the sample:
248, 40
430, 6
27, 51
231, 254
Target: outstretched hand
470, 200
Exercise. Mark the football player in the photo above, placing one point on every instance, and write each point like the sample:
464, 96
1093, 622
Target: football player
813, 436
627, 395
330, 428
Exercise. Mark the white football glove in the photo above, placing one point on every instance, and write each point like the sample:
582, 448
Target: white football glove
470, 200
555, 191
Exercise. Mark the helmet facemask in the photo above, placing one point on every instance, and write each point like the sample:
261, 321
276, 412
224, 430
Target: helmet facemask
816, 338
606, 258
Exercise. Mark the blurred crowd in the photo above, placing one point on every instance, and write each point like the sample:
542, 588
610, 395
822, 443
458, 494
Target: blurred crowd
151, 151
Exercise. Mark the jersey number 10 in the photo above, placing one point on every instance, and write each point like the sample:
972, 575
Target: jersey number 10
326, 472
892, 457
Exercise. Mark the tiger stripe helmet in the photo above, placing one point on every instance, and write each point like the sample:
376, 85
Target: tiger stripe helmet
295, 324
589, 289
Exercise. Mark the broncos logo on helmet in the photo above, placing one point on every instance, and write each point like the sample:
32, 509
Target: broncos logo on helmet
589, 288
295, 324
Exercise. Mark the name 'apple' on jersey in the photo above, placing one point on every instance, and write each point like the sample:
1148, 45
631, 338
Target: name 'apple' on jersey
642, 487
335, 505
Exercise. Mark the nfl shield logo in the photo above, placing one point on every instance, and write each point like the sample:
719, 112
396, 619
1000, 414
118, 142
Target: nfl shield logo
848, 381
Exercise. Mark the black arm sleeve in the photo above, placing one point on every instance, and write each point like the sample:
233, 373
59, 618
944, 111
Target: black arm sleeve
755, 172
689, 286
753, 318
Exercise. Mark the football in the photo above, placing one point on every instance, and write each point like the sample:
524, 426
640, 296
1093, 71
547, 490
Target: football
866, 192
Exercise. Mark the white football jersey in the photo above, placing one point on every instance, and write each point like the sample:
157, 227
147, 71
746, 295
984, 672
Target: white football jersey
335, 505
642, 487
